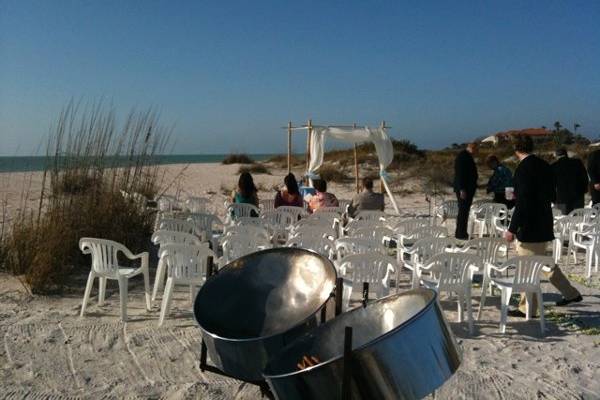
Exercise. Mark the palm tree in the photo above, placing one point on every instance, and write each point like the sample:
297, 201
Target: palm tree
557, 126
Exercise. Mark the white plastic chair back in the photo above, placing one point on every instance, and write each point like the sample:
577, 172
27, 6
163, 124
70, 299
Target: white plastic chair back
374, 268
527, 271
266, 204
371, 215
343, 205
326, 215
355, 225
424, 232
239, 210
310, 230
279, 218
424, 249
409, 225
162, 237
186, 262
311, 222
586, 215
336, 210
453, 270
249, 230
447, 210
105, 260
297, 212
351, 245
204, 222
488, 249
318, 244
196, 204
176, 224
166, 202
376, 234
236, 246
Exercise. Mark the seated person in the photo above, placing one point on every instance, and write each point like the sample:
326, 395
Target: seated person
290, 196
246, 191
321, 198
367, 199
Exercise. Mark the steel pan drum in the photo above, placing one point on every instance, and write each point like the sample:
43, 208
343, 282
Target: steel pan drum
402, 349
258, 304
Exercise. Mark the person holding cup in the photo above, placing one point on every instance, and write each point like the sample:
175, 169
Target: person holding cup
500, 183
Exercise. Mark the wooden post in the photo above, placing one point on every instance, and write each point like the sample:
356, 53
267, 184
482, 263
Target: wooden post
289, 159
381, 187
356, 164
308, 139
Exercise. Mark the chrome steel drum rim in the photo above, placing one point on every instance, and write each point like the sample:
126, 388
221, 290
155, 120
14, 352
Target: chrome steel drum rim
403, 325
310, 316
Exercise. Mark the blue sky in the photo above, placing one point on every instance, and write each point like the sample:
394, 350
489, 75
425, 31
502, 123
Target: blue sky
229, 74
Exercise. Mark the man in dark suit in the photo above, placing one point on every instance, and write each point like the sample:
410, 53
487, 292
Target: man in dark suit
532, 221
594, 171
465, 184
571, 180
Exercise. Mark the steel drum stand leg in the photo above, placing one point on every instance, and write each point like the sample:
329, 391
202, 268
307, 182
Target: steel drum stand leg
347, 373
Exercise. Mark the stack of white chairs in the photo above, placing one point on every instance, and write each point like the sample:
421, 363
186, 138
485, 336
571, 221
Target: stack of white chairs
451, 272
526, 279
281, 221
373, 268
407, 240
587, 238
165, 237
186, 265
422, 251
105, 265
485, 219
205, 226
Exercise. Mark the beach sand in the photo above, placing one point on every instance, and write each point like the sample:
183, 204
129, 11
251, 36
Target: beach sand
47, 351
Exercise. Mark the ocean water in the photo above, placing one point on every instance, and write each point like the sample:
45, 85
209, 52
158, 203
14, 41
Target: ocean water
34, 163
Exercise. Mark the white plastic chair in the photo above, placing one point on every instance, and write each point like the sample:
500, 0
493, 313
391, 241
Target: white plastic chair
315, 230
374, 268
352, 245
238, 210
236, 246
483, 218
526, 280
407, 240
377, 233
354, 225
319, 244
162, 238
563, 233
281, 221
251, 230
421, 252
186, 265
105, 265
266, 205
166, 203
343, 205
177, 225
336, 210
447, 210
451, 273
586, 215
408, 225
587, 237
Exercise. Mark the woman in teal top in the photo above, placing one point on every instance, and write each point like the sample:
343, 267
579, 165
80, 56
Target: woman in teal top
246, 191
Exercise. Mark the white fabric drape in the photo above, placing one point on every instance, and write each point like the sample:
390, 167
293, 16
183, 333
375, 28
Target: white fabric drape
378, 136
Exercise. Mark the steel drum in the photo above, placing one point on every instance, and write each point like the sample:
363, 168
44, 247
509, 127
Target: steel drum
258, 304
402, 349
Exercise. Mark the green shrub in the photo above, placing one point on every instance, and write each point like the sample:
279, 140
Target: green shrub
237, 159
332, 173
254, 169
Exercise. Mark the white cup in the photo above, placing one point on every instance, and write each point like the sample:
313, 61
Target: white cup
509, 193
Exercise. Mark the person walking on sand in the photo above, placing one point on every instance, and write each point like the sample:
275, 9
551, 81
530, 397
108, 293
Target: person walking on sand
367, 199
571, 180
532, 221
465, 185
593, 167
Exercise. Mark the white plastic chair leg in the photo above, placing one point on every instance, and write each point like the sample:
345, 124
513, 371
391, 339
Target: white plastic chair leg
461, 302
541, 307
123, 298
101, 290
484, 289
158, 279
147, 295
504, 299
528, 304
469, 310
88, 291
166, 301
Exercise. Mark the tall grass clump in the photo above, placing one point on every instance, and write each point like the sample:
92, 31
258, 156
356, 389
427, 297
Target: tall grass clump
237, 159
96, 173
